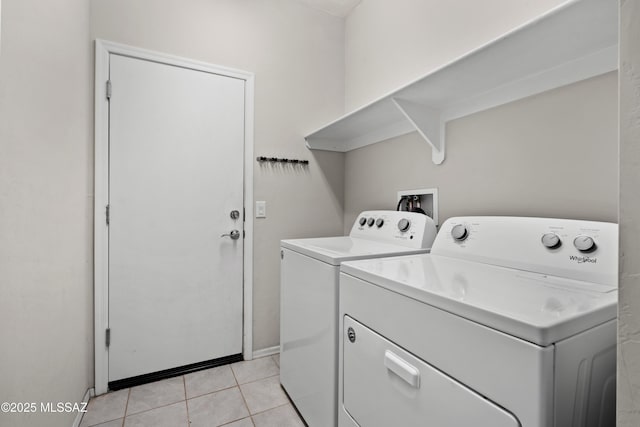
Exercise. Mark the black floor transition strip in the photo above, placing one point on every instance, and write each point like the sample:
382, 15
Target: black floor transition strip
173, 372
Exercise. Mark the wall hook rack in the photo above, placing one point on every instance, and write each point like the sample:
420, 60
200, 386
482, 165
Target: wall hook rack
263, 159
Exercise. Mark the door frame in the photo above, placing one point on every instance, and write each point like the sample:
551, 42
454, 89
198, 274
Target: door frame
101, 194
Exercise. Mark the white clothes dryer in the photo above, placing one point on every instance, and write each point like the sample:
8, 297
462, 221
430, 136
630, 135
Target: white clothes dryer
309, 331
508, 322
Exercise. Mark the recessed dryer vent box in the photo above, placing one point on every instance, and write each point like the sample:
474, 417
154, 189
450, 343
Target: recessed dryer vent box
427, 199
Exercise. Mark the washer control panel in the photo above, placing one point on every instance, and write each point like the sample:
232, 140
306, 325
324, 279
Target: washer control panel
404, 225
459, 232
585, 244
551, 240
398, 227
580, 250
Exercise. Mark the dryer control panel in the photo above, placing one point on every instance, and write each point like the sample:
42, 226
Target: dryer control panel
410, 229
573, 249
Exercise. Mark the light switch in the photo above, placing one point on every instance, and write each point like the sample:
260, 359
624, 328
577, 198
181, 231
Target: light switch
261, 209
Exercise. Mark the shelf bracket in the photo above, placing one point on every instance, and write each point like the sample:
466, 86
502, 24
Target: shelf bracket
429, 124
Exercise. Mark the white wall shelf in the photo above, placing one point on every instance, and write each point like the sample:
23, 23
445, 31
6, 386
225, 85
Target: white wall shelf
573, 42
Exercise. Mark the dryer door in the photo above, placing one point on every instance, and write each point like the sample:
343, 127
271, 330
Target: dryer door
386, 386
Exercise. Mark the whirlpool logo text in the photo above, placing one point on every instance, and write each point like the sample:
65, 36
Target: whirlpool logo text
583, 259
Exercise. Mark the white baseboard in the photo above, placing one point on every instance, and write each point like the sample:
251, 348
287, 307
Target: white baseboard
266, 351
88, 395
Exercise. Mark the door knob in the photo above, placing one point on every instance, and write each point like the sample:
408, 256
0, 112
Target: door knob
234, 234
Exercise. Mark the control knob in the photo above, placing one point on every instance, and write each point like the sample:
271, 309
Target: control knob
363, 221
584, 244
459, 232
371, 222
379, 222
551, 240
404, 224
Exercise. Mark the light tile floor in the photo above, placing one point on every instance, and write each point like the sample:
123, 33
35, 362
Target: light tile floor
243, 394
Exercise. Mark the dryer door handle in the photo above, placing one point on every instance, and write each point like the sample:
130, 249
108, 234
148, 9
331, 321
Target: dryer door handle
402, 368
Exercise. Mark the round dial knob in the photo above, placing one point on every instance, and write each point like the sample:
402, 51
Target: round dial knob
584, 244
404, 224
459, 232
551, 240
371, 222
379, 222
362, 221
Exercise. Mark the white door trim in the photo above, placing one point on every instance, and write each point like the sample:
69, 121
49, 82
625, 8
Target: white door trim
101, 194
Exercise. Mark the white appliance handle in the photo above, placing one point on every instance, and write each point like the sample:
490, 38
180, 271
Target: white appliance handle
401, 368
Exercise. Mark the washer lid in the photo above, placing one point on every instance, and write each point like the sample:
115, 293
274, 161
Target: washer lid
538, 308
335, 250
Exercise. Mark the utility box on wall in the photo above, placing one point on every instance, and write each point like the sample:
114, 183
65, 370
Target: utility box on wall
425, 199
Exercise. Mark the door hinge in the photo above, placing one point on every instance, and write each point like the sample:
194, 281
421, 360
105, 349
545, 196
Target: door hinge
244, 214
107, 214
107, 338
109, 89
244, 234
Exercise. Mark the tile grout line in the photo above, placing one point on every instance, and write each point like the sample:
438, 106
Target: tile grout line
264, 378
212, 392
242, 394
126, 405
261, 358
261, 379
237, 384
106, 421
125, 412
186, 402
288, 402
275, 407
254, 381
235, 421
157, 407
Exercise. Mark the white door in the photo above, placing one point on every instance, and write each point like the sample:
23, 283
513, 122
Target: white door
176, 143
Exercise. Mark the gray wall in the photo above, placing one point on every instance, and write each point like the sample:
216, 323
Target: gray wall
629, 303
551, 155
390, 43
46, 179
297, 54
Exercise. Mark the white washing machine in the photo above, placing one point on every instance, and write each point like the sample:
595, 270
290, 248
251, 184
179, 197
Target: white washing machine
309, 331
508, 322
